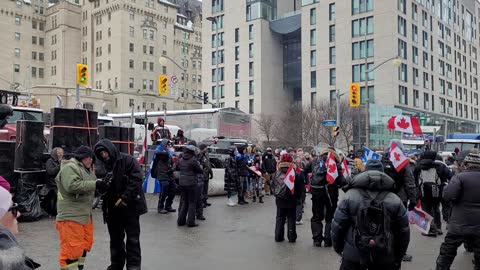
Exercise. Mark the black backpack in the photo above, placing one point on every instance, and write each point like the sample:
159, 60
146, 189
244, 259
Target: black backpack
278, 187
372, 232
390, 170
319, 173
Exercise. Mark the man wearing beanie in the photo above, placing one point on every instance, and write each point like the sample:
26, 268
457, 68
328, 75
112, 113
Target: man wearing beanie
76, 184
353, 220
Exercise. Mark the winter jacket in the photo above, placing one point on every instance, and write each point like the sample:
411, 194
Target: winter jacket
298, 188
424, 165
345, 216
52, 167
405, 186
242, 160
159, 133
462, 192
162, 168
189, 168
204, 160
231, 176
11, 254
127, 179
76, 190
269, 164
322, 178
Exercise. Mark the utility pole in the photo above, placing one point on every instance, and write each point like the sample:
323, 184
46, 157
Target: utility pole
217, 41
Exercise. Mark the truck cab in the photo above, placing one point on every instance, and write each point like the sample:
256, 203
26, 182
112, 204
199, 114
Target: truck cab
9, 131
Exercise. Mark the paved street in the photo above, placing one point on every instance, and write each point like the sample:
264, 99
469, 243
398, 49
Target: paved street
236, 238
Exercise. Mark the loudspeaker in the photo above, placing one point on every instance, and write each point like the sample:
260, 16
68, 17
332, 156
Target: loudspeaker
61, 137
109, 132
7, 158
81, 119
62, 117
29, 146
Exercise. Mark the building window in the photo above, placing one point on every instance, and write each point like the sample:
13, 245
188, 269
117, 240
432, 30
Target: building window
150, 85
144, 84
237, 53
151, 50
402, 95
402, 26
17, 52
426, 101
237, 104
250, 50
402, 72
402, 49
250, 32
18, 19
251, 88
132, 31
425, 39
16, 68
34, 55
250, 106
362, 49
402, 6
313, 58
331, 12
358, 72
17, 36
41, 56
313, 79
416, 98
313, 37
414, 12
132, 47
313, 16
415, 76
414, 33
34, 40
131, 64
151, 68
237, 35
332, 55
362, 26
331, 35
361, 6
131, 83
217, 5
250, 69
426, 84
333, 76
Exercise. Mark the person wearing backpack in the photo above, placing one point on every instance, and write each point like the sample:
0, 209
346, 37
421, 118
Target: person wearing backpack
286, 199
324, 196
464, 221
431, 177
370, 229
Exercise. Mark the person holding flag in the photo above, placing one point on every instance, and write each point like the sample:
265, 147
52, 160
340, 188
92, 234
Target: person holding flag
326, 179
288, 188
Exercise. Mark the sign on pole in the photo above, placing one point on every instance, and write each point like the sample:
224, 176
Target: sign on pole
329, 123
174, 79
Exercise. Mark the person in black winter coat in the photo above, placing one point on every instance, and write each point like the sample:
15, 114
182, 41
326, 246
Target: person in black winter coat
162, 170
269, 167
324, 196
189, 168
286, 206
242, 172
464, 222
361, 191
231, 176
52, 167
123, 204
207, 172
430, 177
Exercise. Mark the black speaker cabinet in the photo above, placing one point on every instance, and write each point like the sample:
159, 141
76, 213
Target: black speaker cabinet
84, 118
30, 144
62, 117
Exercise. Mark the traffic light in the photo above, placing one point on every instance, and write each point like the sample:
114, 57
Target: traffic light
82, 74
162, 85
336, 131
354, 94
205, 98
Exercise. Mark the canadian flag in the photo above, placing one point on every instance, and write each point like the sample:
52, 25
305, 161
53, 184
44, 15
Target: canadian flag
345, 169
290, 179
332, 171
142, 155
406, 124
397, 157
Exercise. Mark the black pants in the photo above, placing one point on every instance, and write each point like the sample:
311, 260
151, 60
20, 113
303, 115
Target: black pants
205, 190
448, 250
200, 199
282, 215
188, 204
323, 207
432, 207
242, 188
167, 194
348, 265
300, 208
121, 221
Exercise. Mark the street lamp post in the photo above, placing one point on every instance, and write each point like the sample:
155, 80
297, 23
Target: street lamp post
217, 92
396, 62
163, 61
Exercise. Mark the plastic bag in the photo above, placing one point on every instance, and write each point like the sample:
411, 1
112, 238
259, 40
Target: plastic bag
27, 198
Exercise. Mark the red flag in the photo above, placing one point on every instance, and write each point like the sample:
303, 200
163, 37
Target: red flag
332, 170
397, 157
345, 170
406, 124
290, 179
142, 155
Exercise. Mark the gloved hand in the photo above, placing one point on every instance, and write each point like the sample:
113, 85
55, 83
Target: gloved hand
120, 203
411, 205
101, 186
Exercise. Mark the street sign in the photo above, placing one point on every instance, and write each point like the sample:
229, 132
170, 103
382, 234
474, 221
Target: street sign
329, 123
174, 79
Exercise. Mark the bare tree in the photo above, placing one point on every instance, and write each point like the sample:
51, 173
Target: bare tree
289, 129
266, 126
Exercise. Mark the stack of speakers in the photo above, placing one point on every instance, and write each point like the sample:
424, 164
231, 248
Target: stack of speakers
122, 137
7, 157
72, 128
30, 145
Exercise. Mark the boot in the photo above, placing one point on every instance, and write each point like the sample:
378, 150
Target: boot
260, 200
162, 211
230, 202
327, 239
254, 199
170, 210
202, 217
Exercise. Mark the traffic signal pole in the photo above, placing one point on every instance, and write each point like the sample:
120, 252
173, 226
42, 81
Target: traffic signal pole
78, 104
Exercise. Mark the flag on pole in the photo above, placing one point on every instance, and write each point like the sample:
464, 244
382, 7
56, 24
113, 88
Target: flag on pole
332, 170
397, 157
290, 179
345, 169
369, 154
406, 124
144, 149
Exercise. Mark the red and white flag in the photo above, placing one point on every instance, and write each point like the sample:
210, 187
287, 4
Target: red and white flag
332, 170
406, 124
397, 157
290, 179
142, 155
345, 169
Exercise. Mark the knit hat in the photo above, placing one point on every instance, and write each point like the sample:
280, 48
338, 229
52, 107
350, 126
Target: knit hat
5, 201
160, 119
83, 152
472, 159
4, 183
374, 165
286, 158
191, 148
